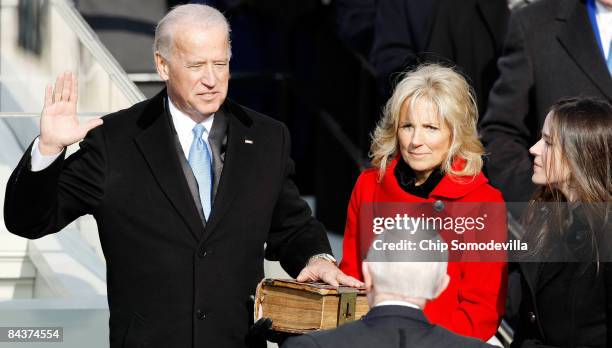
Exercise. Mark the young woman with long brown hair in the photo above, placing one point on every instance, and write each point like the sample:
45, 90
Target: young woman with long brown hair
566, 274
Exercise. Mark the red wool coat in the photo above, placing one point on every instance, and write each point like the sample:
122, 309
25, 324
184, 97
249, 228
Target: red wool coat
474, 301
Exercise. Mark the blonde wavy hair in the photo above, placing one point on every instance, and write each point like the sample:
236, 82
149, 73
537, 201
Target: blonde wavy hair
453, 100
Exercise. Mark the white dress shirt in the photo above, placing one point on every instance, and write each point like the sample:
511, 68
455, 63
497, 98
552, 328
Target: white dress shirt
184, 126
397, 303
182, 123
40, 161
603, 16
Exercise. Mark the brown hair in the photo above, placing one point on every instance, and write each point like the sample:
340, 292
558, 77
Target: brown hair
582, 130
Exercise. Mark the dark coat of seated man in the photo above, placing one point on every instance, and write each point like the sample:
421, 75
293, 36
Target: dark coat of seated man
397, 291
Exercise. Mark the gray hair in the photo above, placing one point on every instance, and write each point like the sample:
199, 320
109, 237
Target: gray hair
198, 14
417, 274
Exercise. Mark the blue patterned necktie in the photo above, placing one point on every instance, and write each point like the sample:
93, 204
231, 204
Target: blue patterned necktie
201, 165
610, 58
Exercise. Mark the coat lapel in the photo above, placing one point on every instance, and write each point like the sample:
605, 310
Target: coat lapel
157, 146
551, 270
577, 37
530, 274
239, 160
530, 271
218, 144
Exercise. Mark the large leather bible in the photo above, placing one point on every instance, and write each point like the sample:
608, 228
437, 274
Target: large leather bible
296, 307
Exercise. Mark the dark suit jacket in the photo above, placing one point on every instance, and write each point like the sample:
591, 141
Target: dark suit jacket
550, 53
568, 304
173, 282
467, 33
471, 35
564, 305
385, 327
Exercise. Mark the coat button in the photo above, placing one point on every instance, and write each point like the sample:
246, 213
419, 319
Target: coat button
532, 317
438, 206
200, 314
202, 253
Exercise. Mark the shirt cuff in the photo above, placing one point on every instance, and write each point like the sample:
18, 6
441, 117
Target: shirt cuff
40, 161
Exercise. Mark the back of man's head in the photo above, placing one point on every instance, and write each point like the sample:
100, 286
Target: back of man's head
406, 274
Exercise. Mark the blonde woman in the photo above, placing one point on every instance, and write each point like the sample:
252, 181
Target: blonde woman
426, 149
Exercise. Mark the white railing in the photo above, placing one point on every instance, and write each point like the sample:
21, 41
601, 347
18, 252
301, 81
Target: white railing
58, 280
88, 38
67, 43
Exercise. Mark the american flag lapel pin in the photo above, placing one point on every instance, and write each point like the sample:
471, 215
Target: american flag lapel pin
248, 141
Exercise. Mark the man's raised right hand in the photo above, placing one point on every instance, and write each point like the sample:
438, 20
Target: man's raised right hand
59, 125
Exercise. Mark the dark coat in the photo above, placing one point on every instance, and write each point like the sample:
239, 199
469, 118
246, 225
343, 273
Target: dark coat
173, 281
564, 305
467, 33
386, 327
568, 304
471, 35
550, 53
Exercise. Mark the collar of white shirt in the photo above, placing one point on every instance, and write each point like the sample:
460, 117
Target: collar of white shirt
397, 303
602, 9
184, 126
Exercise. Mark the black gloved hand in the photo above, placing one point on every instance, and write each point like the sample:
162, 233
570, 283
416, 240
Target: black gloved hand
262, 330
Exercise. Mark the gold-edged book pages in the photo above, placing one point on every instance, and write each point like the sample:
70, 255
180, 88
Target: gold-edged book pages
296, 307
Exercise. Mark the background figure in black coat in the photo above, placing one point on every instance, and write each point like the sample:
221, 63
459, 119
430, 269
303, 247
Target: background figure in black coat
176, 276
551, 52
397, 291
467, 33
355, 21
